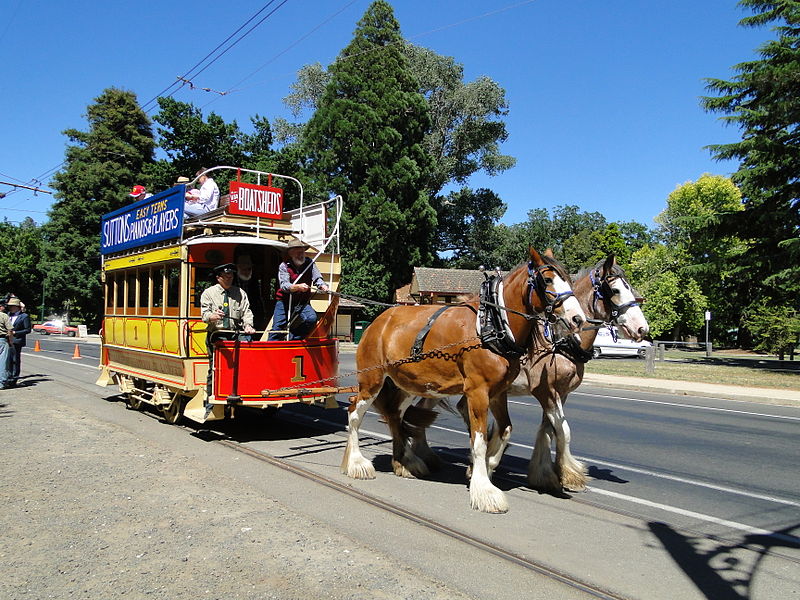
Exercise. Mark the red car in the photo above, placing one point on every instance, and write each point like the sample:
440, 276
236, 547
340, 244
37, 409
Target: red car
49, 327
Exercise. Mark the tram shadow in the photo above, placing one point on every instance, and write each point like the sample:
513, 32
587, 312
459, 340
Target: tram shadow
722, 571
297, 421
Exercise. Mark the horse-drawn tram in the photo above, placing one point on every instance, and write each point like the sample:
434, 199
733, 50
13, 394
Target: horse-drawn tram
156, 262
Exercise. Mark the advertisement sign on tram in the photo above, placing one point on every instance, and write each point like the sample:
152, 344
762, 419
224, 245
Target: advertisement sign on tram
157, 218
255, 200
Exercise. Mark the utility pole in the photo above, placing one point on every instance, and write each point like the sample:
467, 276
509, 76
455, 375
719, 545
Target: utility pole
708, 344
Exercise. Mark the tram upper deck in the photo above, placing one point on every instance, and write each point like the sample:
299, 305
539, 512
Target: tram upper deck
156, 262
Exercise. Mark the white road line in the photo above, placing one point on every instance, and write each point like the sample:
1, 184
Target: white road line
699, 516
711, 486
94, 368
677, 404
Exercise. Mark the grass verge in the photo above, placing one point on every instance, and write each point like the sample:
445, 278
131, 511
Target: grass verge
750, 371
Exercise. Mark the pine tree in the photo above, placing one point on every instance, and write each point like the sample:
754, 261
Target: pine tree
366, 141
763, 101
100, 168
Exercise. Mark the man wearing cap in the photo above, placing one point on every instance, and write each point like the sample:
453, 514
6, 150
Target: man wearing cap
206, 200
224, 307
139, 192
20, 328
295, 278
6, 338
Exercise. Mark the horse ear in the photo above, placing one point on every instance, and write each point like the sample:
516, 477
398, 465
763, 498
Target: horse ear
608, 266
549, 253
535, 256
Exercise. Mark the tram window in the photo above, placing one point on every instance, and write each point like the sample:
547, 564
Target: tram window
173, 289
130, 284
120, 294
144, 291
201, 279
109, 289
158, 290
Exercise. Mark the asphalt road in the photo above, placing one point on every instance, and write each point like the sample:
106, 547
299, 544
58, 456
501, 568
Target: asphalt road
691, 497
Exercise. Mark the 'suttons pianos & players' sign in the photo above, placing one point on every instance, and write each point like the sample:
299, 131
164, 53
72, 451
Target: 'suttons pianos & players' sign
157, 218
255, 200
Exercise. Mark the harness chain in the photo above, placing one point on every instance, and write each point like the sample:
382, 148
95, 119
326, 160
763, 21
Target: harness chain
434, 353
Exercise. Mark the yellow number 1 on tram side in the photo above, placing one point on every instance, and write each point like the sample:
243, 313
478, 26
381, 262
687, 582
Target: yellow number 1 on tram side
298, 369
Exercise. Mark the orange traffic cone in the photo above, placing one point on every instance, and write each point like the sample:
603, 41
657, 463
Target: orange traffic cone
37, 347
76, 353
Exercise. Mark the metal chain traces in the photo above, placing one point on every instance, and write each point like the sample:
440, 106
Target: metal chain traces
434, 353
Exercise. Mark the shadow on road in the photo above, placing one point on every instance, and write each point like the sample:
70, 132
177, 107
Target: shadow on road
721, 571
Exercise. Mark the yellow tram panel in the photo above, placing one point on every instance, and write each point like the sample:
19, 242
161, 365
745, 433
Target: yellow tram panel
144, 258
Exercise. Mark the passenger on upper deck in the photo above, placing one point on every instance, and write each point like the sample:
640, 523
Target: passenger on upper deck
295, 278
139, 192
207, 199
224, 306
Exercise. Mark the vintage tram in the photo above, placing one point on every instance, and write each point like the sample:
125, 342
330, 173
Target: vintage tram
156, 262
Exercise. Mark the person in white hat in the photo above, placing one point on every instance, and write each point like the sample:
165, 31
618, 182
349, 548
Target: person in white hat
20, 327
6, 340
293, 310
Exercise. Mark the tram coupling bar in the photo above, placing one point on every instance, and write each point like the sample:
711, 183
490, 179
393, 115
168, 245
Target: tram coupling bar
314, 391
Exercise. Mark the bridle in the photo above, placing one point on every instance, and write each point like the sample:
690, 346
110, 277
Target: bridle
551, 300
603, 291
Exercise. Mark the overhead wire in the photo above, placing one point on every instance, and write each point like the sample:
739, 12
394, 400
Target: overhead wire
191, 72
181, 81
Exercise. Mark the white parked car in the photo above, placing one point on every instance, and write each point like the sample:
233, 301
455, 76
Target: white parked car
604, 345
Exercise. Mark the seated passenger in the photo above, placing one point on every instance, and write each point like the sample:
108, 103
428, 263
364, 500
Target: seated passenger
201, 201
293, 310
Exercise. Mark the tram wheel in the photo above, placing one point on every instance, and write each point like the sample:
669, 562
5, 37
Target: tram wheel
173, 411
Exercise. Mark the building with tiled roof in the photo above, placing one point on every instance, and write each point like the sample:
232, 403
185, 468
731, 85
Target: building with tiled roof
439, 286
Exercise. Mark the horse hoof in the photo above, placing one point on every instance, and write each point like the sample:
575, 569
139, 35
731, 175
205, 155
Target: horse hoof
360, 470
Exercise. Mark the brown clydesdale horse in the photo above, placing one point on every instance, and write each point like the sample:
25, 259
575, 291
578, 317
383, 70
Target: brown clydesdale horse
555, 371
454, 362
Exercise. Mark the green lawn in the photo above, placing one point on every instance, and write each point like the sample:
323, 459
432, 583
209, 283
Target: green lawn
731, 369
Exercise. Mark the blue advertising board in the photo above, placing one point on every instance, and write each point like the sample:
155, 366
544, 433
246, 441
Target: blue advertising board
154, 219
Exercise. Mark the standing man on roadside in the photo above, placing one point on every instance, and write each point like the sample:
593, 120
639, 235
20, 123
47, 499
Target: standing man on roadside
5, 345
21, 327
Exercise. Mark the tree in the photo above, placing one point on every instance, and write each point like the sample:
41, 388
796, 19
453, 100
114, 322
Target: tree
20, 261
674, 302
366, 139
775, 329
762, 101
464, 136
101, 166
192, 142
713, 260
466, 230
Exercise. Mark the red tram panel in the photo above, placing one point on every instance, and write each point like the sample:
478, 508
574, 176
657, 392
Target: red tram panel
272, 366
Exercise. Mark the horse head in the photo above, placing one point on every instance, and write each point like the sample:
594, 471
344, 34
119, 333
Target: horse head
550, 291
619, 301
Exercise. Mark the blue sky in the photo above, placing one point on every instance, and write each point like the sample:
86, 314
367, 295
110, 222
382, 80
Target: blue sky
603, 96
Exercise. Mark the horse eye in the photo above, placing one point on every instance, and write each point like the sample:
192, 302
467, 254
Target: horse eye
548, 280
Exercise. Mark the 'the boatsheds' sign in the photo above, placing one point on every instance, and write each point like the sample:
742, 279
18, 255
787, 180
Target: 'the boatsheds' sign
255, 200
153, 219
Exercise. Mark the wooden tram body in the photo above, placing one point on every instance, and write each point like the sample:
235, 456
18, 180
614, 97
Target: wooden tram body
155, 265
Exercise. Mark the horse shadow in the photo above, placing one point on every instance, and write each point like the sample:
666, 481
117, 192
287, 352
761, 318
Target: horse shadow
719, 572
4, 411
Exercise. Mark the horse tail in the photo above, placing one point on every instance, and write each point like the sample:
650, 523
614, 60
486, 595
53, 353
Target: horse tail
418, 417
